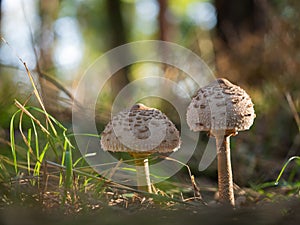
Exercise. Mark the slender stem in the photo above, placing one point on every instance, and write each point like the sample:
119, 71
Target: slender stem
225, 179
142, 172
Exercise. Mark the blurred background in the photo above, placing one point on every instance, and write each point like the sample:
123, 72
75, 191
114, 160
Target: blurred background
255, 44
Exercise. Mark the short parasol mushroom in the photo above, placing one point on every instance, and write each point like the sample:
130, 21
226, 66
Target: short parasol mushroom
140, 131
222, 109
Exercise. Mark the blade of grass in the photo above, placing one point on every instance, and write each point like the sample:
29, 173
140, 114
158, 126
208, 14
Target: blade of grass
20, 106
63, 158
283, 168
69, 170
84, 134
36, 138
40, 160
38, 96
25, 139
51, 139
57, 123
261, 186
196, 189
12, 141
293, 109
68, 176
50, 117
29, 150
33, 85
8, 161
80, 159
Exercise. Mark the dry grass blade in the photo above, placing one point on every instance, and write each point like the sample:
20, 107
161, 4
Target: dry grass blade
113, 171
293, 108
20, 106
21, 129
115, 185
35, 91
39, 97
197, 194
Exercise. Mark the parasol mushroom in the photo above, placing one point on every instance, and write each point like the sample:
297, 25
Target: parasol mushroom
222, 109
140, 131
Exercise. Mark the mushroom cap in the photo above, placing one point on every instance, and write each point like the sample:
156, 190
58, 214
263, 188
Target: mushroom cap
140, 130
220, 106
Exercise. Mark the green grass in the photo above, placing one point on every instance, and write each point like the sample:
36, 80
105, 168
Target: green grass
275, 188
285, 165
43, 155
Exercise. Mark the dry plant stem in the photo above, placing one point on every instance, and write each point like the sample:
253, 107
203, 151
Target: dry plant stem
225, 179
142, 172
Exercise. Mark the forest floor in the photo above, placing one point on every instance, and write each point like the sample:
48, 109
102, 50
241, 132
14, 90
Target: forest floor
24, 203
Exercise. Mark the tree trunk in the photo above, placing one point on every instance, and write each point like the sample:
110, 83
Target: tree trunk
163, 23
117, 37
239, 39
0, 15
48, 13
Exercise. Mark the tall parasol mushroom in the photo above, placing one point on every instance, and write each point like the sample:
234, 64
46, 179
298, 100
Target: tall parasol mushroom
140, 131
222, 109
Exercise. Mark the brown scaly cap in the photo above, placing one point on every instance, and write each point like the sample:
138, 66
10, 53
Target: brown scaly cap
220, 106
140, 129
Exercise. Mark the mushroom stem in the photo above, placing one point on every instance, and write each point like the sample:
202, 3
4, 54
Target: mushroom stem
142, 172
225, 179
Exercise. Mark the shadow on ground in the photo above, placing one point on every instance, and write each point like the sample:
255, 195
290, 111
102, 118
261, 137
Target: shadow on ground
285, 212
